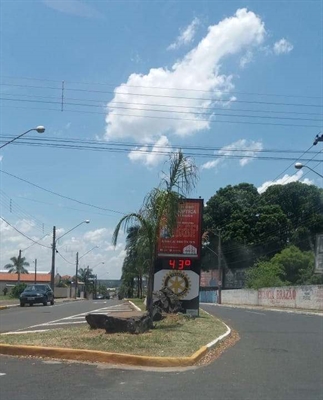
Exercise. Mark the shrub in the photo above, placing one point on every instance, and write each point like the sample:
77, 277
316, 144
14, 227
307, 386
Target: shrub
17, 290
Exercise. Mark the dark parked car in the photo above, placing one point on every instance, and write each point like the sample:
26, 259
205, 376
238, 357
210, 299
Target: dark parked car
37, 294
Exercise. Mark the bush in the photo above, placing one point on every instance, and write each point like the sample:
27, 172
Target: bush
264, 274
17, 290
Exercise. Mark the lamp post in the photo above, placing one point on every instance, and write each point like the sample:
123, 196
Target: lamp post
300, 166
52, 277
39, 129
77, 267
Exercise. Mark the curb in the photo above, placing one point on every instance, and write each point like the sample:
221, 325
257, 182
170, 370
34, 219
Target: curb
8, 306
134, 305
110, 358
101, 356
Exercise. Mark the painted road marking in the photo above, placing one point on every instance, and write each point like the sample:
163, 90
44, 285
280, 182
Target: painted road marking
20, 333
2, 374
73, 319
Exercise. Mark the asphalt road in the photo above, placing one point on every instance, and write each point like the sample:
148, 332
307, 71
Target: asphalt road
17, 318
279, 356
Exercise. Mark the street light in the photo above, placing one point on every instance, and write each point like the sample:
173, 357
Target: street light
300, 166
39, 129
52, 278
102, 262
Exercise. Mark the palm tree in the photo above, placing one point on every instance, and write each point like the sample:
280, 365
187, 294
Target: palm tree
135, 262
160, 205
86, 276
18, 266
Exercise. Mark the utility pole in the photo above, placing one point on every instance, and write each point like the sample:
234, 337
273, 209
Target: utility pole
35, 270
219, 266
52, 275
19, 267
76, 273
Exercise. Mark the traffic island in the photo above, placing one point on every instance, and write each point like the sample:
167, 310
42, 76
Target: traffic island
176, 341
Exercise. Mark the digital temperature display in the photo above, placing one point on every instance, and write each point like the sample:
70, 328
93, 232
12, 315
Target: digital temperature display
179, 263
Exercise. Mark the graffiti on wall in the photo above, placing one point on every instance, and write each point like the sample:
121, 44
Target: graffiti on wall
209, 278
277, 294
235, 278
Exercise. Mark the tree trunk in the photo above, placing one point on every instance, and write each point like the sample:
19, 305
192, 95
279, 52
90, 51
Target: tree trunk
138, 287
150, 288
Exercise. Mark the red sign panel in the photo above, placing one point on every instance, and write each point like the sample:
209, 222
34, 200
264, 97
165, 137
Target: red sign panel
186, 240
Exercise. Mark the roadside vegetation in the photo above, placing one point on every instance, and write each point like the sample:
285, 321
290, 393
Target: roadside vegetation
175, 336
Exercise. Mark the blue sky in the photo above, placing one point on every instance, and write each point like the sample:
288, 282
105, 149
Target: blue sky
115, 59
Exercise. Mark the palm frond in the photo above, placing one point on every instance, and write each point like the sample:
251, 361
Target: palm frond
126, 222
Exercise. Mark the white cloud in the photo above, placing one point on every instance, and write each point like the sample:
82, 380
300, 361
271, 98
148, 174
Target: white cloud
284, 180
245, 150
96, 236
282, 46
73, 7
11, 241
186, 35
199, 69
152, 156
1, 157
246, 59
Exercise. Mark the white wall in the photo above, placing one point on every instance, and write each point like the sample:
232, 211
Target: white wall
61, 292
239, 296
308, 297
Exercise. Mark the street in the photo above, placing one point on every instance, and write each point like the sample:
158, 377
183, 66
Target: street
17, 318
279, 356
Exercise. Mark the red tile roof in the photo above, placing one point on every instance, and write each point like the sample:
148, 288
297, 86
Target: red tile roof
7, 277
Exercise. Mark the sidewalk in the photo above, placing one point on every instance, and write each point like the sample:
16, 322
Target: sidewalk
15, 302
287, 310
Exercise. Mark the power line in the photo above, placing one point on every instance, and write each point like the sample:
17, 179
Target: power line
163, 117
69, 262
312, 159
103, 103
133, 145
23, 214
161, 88
27, 237
61, 206
163, 96
60, 195
198, 119
162, 153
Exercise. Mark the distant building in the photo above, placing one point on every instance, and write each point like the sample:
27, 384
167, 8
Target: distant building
9, 280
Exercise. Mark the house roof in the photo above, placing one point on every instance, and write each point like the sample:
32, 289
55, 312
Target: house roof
64, 277
7, 277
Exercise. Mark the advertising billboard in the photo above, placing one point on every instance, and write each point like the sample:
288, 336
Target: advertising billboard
186, 239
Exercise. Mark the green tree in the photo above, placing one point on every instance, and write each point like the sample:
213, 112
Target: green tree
17, 266
160, 205
297, 265
264, 274
303, 205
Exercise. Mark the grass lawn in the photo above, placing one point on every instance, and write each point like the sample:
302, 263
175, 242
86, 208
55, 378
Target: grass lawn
139, 303
9, 299
175, 336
